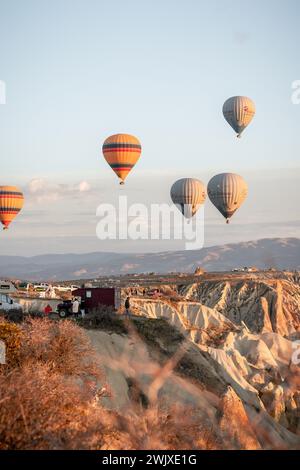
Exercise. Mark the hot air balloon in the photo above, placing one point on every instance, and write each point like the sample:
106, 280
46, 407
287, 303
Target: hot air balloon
188, 194
121, 151
239, 112
11, 202
227, 192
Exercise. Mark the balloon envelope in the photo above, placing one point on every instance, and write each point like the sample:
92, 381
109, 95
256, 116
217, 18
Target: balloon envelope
227, 192
11, 202
121, 151
188, 194
239, 112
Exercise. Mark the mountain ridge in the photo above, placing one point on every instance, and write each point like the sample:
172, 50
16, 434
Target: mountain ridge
280, 253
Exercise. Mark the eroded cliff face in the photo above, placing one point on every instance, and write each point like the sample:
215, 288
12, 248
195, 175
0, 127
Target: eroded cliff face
262, 304
224, 347
243, 406
258, 366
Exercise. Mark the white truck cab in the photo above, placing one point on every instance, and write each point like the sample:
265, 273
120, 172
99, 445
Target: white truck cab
7, 303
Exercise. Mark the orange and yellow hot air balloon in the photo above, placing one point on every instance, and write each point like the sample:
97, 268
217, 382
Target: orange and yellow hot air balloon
11, 202
122, 151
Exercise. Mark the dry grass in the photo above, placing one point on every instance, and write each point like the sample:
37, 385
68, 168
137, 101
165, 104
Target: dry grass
10, 334
104, 318
50, 398
173, 429
41, 409
52, 386
62, 345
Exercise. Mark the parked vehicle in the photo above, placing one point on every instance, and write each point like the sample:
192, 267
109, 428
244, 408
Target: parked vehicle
6, 287
64, 309
10, 309
41, 287
7, 304
93, 297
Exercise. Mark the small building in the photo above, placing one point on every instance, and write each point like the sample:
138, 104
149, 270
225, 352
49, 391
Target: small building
93, 297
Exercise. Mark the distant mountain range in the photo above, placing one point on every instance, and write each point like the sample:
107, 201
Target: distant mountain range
280, 253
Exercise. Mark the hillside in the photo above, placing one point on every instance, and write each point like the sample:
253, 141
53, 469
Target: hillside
281, 253
211, 363
261, 302
232, 339
206, 361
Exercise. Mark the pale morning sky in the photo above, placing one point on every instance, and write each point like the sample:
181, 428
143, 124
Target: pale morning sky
77, 71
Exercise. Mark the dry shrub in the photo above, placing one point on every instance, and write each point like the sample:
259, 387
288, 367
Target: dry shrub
152, 331
47, 395
41, 409
10, 334
62, 345
165, 428
105, 319
50, 398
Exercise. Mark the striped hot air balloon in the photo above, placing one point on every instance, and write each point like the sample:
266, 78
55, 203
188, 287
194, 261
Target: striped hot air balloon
188, 194
11, 202
121, 151
227, 192
239, 112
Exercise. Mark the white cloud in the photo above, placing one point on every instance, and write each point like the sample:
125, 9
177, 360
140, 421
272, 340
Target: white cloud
36, 185
84, 186
41, 190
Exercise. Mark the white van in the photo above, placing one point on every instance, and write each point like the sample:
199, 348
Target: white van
7, 304
7, 287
